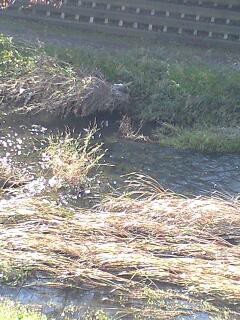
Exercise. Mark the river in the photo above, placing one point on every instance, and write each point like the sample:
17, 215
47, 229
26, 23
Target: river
185, 172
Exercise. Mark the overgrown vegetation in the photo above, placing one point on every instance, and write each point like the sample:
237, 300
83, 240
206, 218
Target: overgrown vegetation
33, 82
176, 93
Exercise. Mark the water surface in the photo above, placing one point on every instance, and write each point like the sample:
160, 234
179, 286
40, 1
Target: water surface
187, 172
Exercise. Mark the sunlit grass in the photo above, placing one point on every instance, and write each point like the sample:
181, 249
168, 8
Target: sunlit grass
10, 310
72, 159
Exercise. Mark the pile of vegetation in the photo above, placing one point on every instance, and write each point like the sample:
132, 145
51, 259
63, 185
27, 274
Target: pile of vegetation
33, 82
129, 245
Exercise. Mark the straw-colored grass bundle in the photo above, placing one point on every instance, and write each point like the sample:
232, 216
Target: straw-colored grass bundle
49, 87
193, 243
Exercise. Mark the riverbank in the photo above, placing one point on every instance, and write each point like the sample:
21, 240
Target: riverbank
206, 140
186, 95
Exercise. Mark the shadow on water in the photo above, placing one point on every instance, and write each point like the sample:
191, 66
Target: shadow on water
60, 303
67, 304
186, 172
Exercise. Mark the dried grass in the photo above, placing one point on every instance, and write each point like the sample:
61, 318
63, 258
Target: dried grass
127, 243
49, 87
71, 159
127, 131
11, 177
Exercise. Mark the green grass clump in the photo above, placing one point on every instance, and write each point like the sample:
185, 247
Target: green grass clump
212, 95
9, 310
204, 140
15, 59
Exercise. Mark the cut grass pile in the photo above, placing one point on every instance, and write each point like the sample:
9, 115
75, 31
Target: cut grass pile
48, 87
31, 81
125, 245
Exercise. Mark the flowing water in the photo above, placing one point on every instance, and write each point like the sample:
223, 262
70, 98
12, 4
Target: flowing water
186, 172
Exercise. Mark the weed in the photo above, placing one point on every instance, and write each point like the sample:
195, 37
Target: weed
96, 315
127, 131
15, 59
71, 159
10, 310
